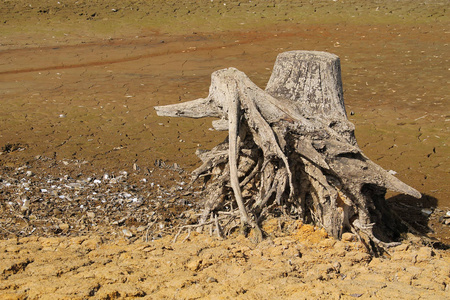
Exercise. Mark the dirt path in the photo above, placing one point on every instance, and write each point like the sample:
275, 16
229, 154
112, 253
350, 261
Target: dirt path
79, 139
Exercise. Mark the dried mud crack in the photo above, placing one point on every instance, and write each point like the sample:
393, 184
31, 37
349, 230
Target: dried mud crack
85, 212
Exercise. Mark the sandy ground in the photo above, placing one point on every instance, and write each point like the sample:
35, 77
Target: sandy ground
303, 265
79, 80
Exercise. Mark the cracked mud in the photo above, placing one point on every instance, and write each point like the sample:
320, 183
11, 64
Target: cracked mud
86, 212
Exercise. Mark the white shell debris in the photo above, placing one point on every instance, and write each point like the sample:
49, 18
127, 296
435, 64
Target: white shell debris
127, 233
82, 202
392, 172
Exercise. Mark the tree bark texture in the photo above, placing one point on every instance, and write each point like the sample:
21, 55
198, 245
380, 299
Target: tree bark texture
291, 150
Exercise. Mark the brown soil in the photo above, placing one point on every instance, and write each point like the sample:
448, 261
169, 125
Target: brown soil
79, 80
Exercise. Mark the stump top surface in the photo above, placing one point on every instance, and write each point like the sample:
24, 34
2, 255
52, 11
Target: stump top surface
311, 80
309, 55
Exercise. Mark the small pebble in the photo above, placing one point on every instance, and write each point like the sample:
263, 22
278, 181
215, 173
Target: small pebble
348, 237
426, 211
141, 228
63, 226
127, 233
392, 172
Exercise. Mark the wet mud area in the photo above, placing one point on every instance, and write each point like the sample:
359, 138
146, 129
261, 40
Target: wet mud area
82, 150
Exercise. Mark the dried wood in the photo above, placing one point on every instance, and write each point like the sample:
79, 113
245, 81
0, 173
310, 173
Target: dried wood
291, 148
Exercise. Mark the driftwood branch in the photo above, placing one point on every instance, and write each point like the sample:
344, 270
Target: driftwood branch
291, 147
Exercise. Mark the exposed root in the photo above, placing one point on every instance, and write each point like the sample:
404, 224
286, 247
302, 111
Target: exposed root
290, 150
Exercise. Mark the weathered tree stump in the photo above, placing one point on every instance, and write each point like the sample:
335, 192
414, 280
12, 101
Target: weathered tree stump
291, 149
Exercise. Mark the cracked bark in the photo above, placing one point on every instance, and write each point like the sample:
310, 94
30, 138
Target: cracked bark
291, 149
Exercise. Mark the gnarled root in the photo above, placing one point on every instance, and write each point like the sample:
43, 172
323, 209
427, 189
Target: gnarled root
290, 150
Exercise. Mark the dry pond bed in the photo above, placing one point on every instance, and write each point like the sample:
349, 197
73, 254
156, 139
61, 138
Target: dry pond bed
90, 196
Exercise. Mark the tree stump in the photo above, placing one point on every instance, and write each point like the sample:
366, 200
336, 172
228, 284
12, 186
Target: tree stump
291, 150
